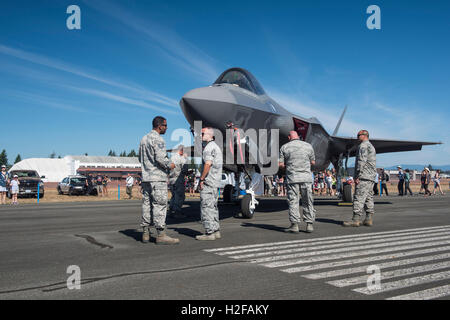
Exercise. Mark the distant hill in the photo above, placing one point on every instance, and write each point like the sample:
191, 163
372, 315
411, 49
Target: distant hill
420, 167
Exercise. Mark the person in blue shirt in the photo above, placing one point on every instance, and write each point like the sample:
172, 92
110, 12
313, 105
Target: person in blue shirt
3, 184
407, 180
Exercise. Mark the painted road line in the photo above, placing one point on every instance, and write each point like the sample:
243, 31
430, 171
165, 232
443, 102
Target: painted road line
274, 246
391, 246
291, 262
363, 269
320, 239
405, 283
339, 247
391, 274
428, 294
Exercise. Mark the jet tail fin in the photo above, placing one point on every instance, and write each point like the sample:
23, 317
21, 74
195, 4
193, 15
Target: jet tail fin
339, 122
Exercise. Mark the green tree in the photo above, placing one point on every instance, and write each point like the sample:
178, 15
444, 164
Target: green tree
52, 155
123, 154
3, 158
18, 159
132, 154
112, 153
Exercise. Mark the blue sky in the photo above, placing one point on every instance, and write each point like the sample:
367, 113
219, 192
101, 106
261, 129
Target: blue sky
98, 88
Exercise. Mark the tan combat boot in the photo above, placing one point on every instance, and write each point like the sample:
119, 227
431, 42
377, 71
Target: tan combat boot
217, 234
163, 238
293, 228
368, 222
206, 237
351, 223
309, 227
145, 234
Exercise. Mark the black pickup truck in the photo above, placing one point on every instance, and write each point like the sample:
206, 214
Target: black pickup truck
29, 181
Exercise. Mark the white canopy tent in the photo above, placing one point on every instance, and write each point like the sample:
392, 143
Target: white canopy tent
55, 170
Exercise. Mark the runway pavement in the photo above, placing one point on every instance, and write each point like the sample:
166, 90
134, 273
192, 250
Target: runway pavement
409, 245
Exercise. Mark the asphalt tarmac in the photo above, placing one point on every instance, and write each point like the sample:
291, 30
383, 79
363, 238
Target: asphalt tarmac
409, 244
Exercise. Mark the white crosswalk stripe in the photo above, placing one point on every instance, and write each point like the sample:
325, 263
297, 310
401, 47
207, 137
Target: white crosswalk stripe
391, 274
414, 256
428, 294
334, 241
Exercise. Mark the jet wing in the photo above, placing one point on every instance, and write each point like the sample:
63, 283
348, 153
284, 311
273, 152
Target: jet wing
381, 145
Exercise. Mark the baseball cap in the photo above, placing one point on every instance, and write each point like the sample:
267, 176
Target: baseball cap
15, 176
399, 167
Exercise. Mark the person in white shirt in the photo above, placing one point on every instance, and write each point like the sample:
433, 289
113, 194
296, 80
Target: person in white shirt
130, 182
14, 188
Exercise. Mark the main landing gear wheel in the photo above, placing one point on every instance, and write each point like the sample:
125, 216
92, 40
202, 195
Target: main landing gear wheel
347, 193
247, 211
228, 193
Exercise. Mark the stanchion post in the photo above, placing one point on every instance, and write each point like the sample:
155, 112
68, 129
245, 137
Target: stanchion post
118, 191
38, 193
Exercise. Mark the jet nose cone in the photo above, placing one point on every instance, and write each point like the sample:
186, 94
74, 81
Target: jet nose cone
209, 105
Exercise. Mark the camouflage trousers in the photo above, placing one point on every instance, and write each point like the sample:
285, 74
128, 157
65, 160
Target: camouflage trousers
363, 199
208, 208
154, 204
294, 191
178, 196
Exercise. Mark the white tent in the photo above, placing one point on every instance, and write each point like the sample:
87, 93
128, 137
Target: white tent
54, 170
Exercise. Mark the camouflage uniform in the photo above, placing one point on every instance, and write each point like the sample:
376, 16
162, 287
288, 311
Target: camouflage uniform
176, 182
365, 171
155, 169
297, 156
209, 194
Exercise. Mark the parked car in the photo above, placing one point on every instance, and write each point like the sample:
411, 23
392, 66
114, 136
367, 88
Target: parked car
74, 185
29, 181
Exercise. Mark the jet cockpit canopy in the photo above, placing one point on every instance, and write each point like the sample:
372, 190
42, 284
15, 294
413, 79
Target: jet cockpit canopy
241, 78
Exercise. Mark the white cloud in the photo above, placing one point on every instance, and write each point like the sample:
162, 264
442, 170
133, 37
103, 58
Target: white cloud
45, 101
75, 70
172, 46
122, 99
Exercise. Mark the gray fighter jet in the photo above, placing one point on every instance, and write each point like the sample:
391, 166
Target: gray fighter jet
237, 100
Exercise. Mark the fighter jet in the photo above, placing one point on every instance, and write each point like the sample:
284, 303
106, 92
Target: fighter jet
237, 100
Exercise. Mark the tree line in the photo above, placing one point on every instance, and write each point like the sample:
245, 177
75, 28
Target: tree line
132, 153
4, 158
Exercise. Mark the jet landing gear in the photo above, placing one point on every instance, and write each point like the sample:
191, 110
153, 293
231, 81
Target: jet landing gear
347, 193
345, 188
248, 201
248, 204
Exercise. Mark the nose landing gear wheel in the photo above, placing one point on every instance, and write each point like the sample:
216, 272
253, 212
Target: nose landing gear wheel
247, 212
347, 194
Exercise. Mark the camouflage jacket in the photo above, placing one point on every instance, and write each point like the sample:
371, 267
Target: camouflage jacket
297, 156
180, 170
212, 153
153, 158
365, 163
